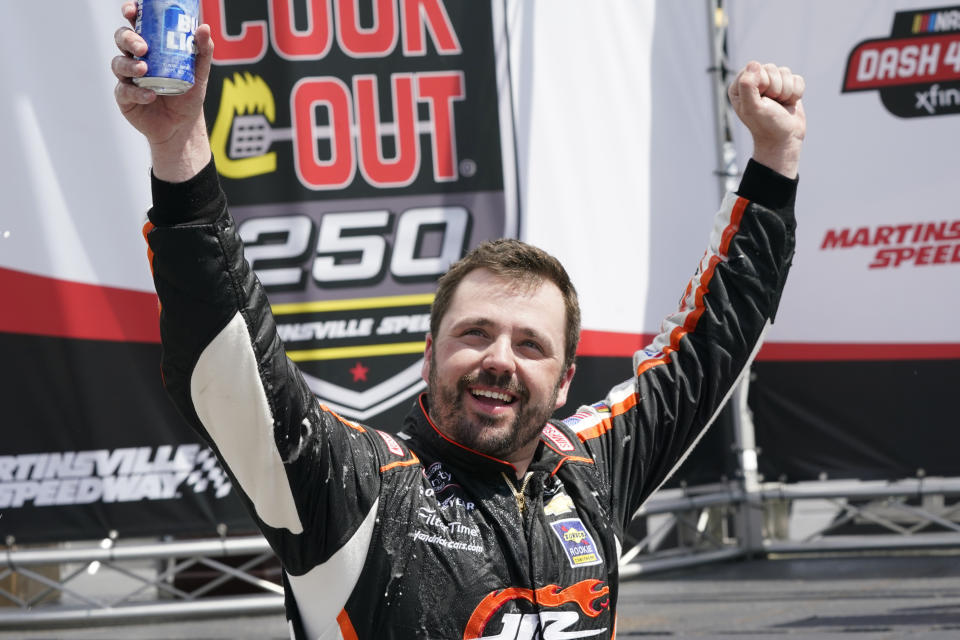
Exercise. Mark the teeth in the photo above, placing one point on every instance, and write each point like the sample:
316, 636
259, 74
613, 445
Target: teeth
492, 394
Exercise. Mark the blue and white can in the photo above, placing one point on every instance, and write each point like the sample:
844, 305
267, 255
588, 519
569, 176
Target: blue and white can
168, 27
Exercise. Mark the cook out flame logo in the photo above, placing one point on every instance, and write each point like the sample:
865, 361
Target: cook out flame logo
242, 133
589, 595
917, 69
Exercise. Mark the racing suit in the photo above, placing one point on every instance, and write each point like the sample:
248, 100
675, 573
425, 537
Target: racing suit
409, 534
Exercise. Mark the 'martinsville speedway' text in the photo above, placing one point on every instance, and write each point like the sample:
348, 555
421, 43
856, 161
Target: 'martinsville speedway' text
901, 245
105, 475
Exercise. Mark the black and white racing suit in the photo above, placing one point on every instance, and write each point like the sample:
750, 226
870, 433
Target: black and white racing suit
412, 535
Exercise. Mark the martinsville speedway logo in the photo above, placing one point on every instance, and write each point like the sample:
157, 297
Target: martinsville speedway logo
916, 69
913, 244
108, 476
359, 144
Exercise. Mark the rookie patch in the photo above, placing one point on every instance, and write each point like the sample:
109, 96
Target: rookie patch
577, 542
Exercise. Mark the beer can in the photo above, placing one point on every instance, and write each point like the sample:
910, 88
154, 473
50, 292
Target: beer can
168, 27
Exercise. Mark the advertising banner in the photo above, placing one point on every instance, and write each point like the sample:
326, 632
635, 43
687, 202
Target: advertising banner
856, 378
90, 442
879, 230
363, 146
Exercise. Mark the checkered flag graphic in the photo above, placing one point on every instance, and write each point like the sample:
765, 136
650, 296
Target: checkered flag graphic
208, 473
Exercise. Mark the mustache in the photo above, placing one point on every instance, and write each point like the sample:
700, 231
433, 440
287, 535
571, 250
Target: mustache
504, 382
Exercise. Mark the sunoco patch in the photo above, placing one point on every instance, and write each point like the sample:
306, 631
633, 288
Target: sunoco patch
577, 542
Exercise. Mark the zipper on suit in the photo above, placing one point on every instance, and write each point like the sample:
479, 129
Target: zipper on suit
518, 495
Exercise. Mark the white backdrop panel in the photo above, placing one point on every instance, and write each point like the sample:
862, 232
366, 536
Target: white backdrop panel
615, 141
74, 174
862, 167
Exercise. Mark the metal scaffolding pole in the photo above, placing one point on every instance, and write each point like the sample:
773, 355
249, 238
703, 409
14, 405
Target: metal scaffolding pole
749, 517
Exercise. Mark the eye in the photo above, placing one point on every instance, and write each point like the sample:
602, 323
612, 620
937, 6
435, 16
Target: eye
473, 332
532, 344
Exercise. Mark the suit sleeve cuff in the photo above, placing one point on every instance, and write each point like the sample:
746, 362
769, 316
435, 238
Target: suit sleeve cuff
766, 187
198, 200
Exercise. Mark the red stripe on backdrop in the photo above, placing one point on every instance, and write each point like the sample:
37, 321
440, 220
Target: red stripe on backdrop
611, 344
39, 305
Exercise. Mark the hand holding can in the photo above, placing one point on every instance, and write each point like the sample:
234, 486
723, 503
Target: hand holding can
168, 27
173, 125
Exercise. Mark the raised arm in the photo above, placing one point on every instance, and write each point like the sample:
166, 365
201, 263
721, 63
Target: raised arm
224, 365
640, 433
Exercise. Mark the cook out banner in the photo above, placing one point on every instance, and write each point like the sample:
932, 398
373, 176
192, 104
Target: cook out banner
364, 145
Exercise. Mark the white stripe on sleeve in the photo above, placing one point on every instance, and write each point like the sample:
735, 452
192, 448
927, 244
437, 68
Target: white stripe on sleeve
229, 398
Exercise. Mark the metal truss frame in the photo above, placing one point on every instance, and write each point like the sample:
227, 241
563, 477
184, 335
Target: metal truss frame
151, 593
676, 528
687, 527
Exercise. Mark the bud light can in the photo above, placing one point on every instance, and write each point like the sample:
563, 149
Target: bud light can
168, 27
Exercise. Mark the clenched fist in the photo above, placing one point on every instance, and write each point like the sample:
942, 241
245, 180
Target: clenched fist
768, 99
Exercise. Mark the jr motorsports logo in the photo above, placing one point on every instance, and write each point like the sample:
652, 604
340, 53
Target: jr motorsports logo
109, 475
360, 147
916, 69
563, 613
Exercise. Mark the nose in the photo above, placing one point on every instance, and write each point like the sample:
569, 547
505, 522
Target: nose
498, 358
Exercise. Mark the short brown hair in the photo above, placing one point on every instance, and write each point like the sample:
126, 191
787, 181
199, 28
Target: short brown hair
514, 260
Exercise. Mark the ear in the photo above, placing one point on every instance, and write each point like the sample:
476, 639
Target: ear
427, 351
564, 386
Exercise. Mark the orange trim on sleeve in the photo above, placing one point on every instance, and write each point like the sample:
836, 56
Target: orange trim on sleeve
346, 627
607, 423
147, 228
570, 459
401, 463
595, 432
689, 323
693, 317
649, 364
736, 215
352, 425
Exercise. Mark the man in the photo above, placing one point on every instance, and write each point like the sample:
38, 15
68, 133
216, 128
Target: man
481, 519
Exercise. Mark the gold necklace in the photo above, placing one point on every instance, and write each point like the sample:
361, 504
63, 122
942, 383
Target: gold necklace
518, 495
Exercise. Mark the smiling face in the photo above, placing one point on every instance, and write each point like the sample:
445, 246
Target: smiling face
495, 368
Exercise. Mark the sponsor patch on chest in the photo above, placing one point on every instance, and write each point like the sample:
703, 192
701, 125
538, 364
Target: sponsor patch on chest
557, 437
392, 444
558, 505
577, 542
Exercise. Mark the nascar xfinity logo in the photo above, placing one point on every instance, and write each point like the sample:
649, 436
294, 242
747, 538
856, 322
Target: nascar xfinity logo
108, 476
917, 69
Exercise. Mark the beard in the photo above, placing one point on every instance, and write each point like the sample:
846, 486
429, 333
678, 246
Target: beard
487, 434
